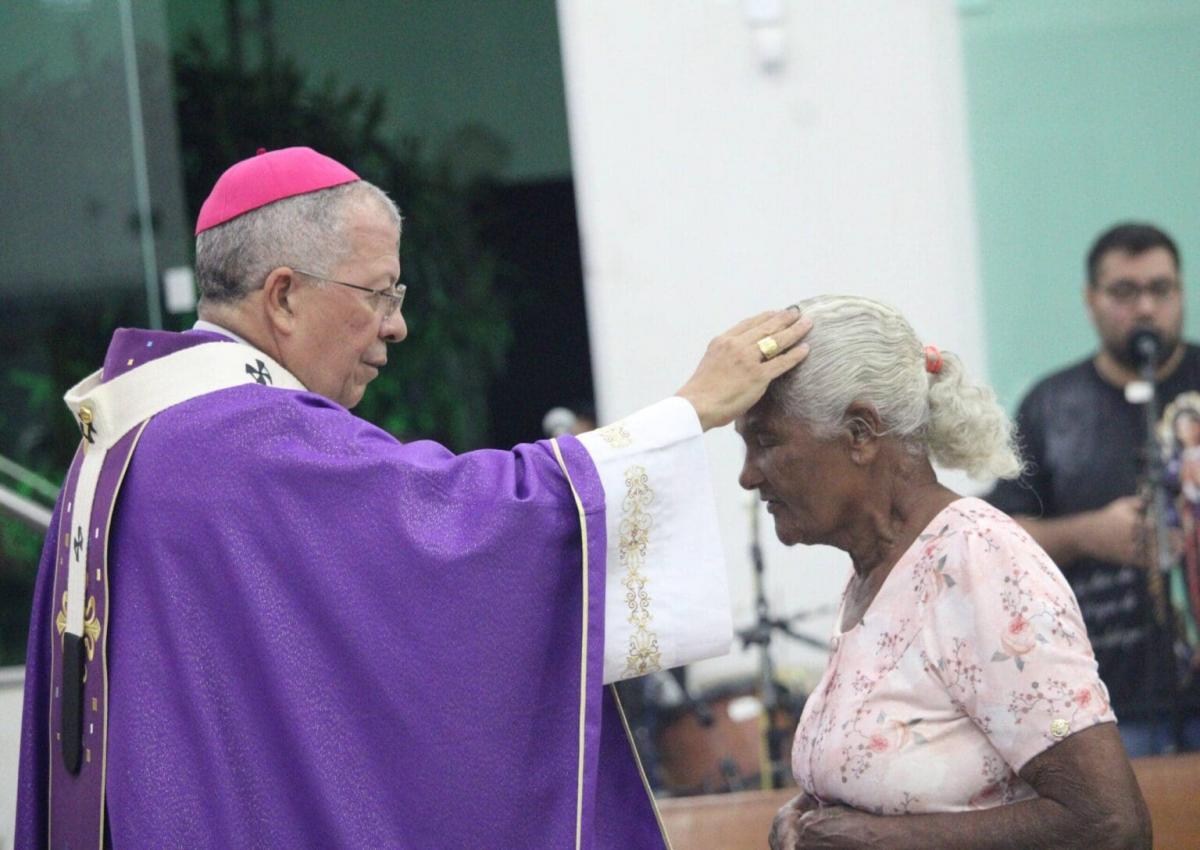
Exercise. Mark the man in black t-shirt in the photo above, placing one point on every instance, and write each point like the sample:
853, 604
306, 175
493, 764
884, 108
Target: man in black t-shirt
1083, 442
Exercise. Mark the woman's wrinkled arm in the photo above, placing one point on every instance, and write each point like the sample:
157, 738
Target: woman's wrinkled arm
1088, 798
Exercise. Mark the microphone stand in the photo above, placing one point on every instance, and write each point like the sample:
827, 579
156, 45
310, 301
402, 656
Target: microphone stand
775, 695
1164, 563
689, 704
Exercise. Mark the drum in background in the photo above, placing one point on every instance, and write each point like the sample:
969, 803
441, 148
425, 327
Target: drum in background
716, 744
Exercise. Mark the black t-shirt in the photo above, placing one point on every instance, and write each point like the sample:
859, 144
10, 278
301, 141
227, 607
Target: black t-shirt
1084, 444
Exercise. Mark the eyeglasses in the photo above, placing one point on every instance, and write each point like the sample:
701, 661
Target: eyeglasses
1127, 292
385, 302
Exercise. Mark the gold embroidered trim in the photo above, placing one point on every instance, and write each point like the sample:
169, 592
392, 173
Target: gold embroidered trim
616, 436
644, 654
91, 626
112, 506
583, 651
662, 827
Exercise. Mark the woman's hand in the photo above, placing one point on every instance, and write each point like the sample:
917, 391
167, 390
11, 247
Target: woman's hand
833, 828
784, 828
1087, 797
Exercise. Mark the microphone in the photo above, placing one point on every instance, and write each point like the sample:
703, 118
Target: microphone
558, 421
1145, 349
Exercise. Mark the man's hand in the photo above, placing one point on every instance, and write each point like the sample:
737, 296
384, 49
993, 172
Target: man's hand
733, 374
784, 830
1118, 533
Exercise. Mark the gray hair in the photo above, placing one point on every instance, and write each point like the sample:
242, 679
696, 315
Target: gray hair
307, 231
864, 351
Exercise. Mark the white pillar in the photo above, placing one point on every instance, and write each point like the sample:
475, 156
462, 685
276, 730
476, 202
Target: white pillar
734, 156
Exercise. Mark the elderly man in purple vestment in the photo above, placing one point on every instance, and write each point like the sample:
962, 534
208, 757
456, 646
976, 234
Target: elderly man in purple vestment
262, 622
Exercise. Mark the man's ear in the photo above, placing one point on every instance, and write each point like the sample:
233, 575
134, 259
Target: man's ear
863, 430
279, 293
1090, 291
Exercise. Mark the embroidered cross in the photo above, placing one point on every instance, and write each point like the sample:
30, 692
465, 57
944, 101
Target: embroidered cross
261, 375
77, 543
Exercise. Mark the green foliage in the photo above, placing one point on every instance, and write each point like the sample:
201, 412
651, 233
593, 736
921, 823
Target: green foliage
20, 548
38, 432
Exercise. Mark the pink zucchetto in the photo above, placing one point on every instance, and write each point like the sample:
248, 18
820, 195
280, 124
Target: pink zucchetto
268, 177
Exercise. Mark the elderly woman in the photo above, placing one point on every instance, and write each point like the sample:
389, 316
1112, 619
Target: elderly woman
961, 706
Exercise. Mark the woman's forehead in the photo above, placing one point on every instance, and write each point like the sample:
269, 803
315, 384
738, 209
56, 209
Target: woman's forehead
770, 416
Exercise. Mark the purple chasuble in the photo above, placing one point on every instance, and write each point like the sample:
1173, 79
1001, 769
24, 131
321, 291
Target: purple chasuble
319, 637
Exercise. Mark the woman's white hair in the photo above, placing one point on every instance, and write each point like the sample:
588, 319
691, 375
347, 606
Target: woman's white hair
864, 351
306, 231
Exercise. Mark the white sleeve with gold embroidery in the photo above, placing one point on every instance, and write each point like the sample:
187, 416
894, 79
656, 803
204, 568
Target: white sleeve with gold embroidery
666, 593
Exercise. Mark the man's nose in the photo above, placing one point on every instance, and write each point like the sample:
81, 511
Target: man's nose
1147, 302
749, 478
393, 328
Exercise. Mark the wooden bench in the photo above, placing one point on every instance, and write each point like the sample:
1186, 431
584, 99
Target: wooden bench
1170, 784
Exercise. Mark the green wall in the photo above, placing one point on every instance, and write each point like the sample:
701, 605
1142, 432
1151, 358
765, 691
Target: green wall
1081, 113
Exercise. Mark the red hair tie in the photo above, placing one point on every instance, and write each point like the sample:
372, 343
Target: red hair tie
933, 360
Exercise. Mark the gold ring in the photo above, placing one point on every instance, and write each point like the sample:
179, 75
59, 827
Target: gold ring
768, 346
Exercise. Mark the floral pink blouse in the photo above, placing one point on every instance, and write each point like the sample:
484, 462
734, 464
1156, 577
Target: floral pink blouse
971, 660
